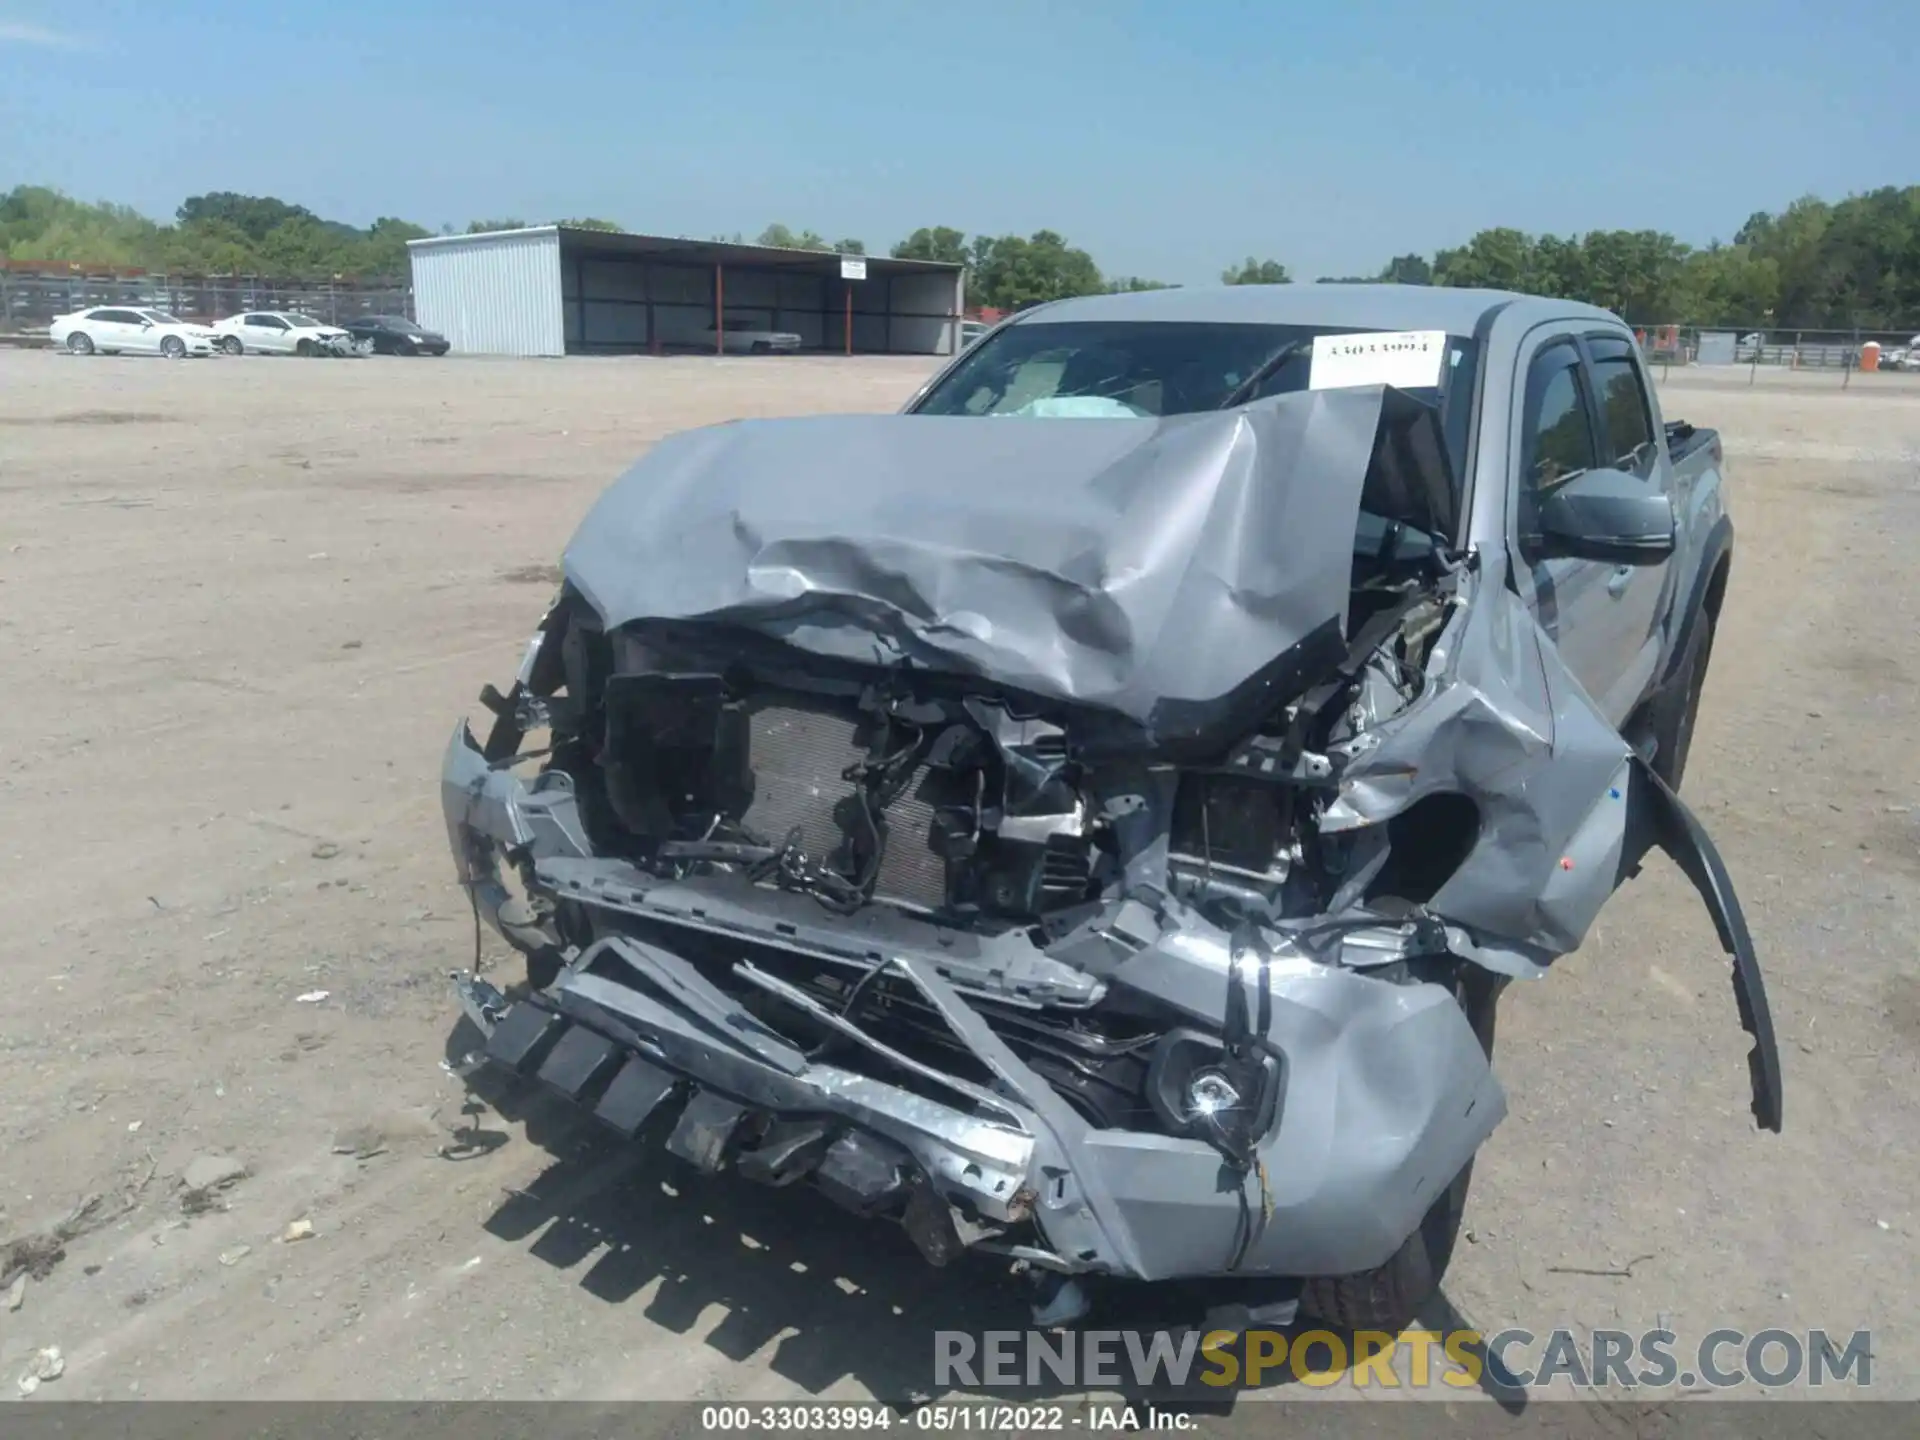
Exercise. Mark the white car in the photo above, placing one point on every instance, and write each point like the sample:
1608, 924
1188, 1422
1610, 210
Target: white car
111, 329
281, 332
1904, 357
748, 337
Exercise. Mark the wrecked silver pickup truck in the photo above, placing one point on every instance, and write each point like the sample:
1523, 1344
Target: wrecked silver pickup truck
1089, 817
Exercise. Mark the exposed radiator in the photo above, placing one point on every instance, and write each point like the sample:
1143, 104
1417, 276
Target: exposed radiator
799, 756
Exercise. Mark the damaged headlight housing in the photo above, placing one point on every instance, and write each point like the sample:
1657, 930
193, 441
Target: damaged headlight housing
1198, 1088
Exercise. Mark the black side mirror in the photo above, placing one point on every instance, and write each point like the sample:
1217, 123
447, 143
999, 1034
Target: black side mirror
1607, 515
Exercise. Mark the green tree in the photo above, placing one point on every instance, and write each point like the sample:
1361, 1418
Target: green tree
589, 223
940, 242
1130, 284
254, 215
1407, 270
210, 247
1637, 274
39, 223
385, 250
1795, 241
850, 247
1730, 285
483, 227
1009, 272
780, 237
1499, 259
1256, 272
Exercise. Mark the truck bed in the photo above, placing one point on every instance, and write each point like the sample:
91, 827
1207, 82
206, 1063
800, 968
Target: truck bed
1684, 440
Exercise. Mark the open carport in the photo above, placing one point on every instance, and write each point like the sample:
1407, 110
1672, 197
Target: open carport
554, 290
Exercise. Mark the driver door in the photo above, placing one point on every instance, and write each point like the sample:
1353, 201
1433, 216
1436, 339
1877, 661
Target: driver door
1572, 599
113, 329
268, 333
142, 335
1624, 426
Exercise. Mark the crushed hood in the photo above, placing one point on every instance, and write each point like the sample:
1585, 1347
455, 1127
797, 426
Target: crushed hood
1166, 570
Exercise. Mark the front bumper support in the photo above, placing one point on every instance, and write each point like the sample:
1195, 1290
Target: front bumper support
1388, 1093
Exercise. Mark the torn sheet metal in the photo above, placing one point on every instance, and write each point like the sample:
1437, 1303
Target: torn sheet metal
1504, 723
1389, 1095
1567, 809
1073, 561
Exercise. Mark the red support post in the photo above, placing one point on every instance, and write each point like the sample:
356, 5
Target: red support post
719, 308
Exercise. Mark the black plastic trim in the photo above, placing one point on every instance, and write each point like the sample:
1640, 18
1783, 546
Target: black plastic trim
1657, 816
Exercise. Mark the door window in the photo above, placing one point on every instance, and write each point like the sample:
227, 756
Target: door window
116, 317
1555, 432
1626, 429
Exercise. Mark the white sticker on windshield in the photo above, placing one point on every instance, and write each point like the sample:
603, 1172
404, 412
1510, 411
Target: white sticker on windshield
1408, 359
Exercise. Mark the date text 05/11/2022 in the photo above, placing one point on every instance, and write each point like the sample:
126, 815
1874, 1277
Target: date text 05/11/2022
983, 1417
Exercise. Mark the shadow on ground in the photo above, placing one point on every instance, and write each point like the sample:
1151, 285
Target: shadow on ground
837, 1297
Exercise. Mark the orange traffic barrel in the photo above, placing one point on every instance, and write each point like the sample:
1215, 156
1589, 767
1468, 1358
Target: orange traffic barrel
1870, 355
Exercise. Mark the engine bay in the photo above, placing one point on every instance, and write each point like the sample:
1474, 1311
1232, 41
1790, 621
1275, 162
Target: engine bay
961, 805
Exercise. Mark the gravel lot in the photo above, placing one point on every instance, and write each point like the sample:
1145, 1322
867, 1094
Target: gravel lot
242, 603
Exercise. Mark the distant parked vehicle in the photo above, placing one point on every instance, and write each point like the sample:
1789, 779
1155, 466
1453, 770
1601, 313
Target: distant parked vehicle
109, 330
397, 335
281, 332
1905, 357
749, 337
972, 330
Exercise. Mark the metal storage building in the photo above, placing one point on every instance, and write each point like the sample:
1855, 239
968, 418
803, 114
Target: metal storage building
551, 290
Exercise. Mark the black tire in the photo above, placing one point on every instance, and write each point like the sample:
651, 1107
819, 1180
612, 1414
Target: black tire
1389, 1297
1678, 706
303, 347
79, 343
760, 347
173, 347
233, 345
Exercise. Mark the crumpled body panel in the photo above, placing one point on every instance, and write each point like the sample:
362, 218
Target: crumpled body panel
1076, 560
1504, 723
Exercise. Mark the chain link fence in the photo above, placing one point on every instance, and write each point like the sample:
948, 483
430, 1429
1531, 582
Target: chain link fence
1772, 346
30, 297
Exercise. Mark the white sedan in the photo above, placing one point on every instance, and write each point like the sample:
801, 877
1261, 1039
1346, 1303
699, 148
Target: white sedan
748, 337
281, 332
110, 329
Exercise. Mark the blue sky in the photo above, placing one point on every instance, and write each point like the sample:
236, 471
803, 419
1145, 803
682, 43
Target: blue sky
1168, 138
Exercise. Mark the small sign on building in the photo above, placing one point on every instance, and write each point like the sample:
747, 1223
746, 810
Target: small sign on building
853, 267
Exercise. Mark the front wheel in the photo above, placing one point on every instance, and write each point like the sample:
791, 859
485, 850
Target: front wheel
173, 347
1388, 1297
233, 345
79, 344
305, 347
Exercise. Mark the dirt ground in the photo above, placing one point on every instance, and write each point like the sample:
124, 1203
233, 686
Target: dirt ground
242, 604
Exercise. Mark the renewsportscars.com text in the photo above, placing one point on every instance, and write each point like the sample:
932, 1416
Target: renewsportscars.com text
1413, 1359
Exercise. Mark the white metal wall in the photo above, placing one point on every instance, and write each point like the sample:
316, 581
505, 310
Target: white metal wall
491, 294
